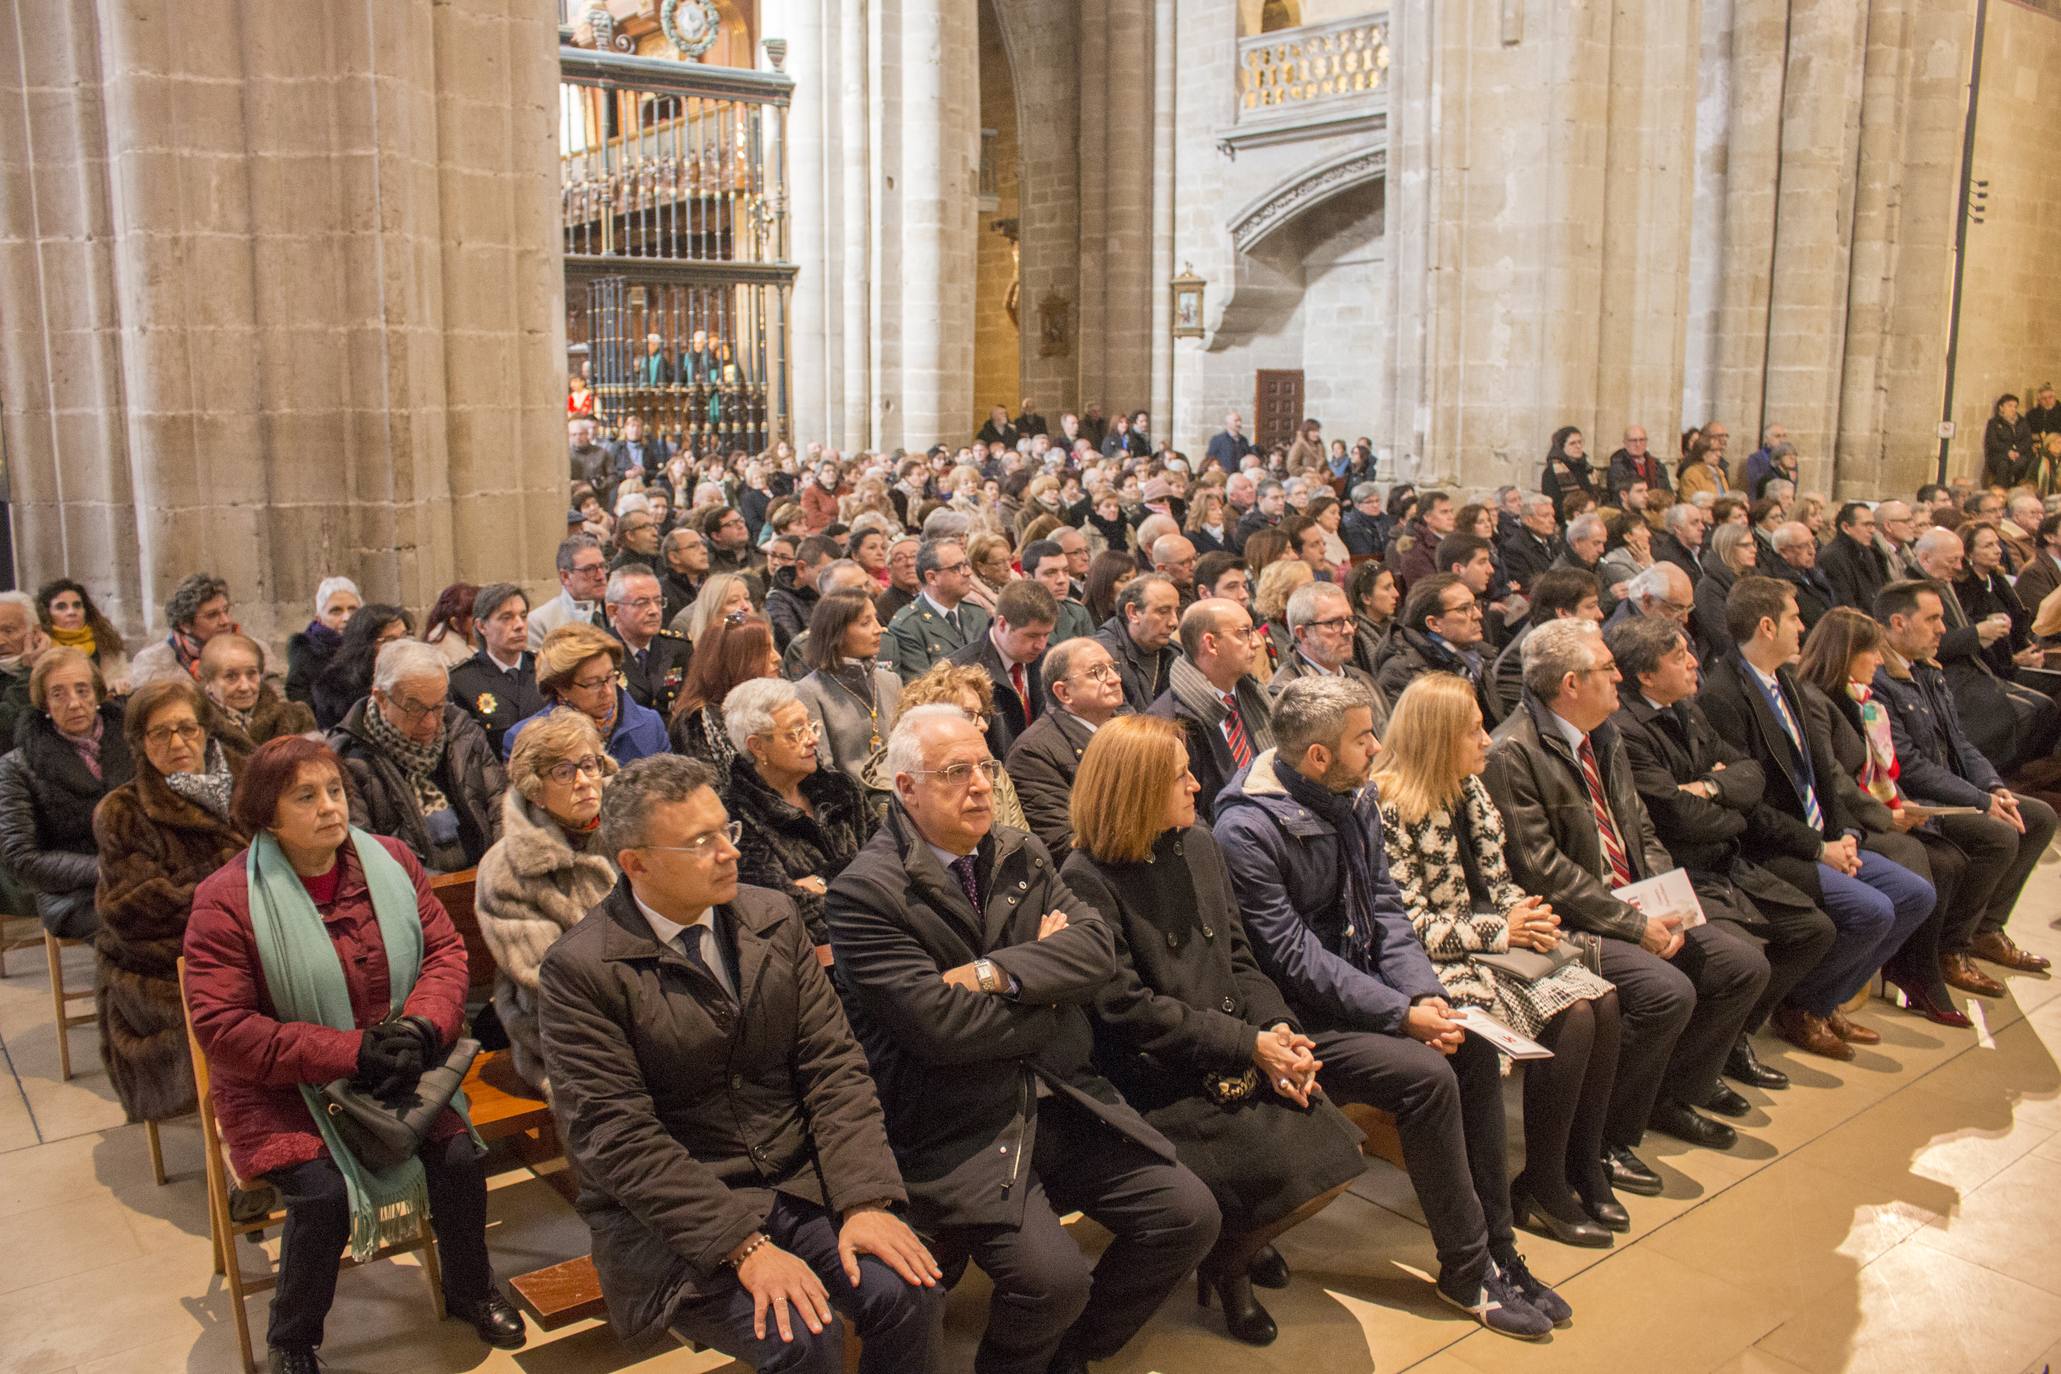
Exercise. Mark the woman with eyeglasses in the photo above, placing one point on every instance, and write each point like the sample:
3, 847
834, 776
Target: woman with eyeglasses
802, 822
545, 872
579, 666
70, 753
159, 835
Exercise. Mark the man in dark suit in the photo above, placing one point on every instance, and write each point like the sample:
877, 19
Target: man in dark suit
1536, 544
1699, 791
685, 555
1558, 594
1851, 564
498, 685
654, 658
1084, 693
1797, 830
968, 969
634, 452
1212, 695
733, 1160
1681, 543
1139, 636
1009, 653
1796, 563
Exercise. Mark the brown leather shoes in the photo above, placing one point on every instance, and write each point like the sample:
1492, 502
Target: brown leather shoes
1959, 971
1849, 1032
1997, 947
1811, 1034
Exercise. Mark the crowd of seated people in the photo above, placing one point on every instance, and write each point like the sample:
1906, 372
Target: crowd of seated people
883, 859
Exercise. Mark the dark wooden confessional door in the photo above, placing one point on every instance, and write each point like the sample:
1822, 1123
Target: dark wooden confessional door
1276, 407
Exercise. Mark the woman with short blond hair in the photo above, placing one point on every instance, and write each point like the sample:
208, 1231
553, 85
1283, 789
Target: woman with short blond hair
545, 872
972, 691
1277, 582
1496, 948
1189, 1029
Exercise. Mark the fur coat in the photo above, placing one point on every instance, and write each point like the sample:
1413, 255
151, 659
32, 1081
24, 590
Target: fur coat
532, 887
272, 717
155, 848
1425, 861
782, 843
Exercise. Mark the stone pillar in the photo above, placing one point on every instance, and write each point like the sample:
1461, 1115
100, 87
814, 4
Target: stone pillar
855, 177
1045, 41
811, 372
283, 296
1164, 94
1124, 336
939, 154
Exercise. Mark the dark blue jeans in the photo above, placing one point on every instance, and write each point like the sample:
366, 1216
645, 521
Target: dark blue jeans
1874, 912
897, 1322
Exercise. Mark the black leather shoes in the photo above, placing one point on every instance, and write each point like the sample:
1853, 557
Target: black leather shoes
291, 1359
1268, 1269
497, 1322
1244, 1318
1725, 1102
1742, 1065
1608, 1213
1628, 1173
1563, 1219
1683, 1123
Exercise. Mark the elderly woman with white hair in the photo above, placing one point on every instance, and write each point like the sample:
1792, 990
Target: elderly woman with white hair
420, 768
309, 651
545, 872
802, 822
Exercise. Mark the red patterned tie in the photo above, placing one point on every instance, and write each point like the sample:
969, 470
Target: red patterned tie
1016, 680
1613, 847
1234, 732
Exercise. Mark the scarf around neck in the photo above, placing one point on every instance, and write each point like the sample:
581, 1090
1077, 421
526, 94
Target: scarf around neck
80, 639
417, 761
1336, 809
88, 744
210, 788
1879, 774
306, 981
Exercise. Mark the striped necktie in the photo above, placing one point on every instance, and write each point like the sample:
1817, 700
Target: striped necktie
1606, 828
1234, 732
1813, 815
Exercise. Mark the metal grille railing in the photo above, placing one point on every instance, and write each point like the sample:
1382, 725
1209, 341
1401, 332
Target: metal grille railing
1319, 63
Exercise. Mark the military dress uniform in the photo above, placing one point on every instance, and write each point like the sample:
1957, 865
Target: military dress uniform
921, 635
655, 677
494, 696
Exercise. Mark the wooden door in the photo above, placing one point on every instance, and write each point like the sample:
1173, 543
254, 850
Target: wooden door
1276, 407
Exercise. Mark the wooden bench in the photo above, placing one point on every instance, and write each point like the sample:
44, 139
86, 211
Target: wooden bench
1382, 1141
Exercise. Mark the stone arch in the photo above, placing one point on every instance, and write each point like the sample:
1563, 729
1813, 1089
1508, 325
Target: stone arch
1302, 191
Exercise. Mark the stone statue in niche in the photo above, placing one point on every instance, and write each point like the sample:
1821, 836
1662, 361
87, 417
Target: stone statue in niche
1055, 326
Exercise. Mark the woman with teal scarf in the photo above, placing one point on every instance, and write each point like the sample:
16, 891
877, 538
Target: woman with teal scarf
320, 953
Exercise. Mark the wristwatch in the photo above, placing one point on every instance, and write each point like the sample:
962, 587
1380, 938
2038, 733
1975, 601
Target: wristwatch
984, 974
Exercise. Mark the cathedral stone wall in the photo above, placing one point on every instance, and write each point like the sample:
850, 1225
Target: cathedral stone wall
281, 293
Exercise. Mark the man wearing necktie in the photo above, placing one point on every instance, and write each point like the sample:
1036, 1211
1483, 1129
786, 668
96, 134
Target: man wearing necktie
1577, 832
1799, 832
1010, 653
733, 1162
1212, 695
655, 659
940, 621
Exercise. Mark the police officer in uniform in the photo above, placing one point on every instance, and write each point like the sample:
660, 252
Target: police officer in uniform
940, 621
498, 685
654, 658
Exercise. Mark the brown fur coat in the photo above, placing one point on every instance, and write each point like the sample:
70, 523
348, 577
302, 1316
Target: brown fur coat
272, 717
155, 848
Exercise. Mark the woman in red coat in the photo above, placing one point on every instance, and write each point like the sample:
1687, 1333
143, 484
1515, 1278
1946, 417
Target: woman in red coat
315, 912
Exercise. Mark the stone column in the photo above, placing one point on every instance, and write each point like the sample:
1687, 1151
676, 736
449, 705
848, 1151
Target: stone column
940, 150
1124, 339
855, 177
1164, 94
283, 296
811, 373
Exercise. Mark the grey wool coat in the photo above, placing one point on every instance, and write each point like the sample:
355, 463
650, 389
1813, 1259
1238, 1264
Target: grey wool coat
533, 886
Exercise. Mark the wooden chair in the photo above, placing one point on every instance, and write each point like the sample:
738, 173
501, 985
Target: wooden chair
17, 933
223, 1230
60, 1000
455, 891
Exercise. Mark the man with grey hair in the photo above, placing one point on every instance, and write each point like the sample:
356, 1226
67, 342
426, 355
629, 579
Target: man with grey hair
940, 621
1681, 542
1212, 695
197, 611
969, 969
1320, 622
684, 565
582, 583
1301, 833
1578, 832
1796, 562
1360, 528
655, 658
1241, 493
421, 770
1139, 636
1150, 531
1662, 590
1085, 693
1896, 528
22, 641
733, 1161
2011, 724
2018, 530
1535, 545
1587, 536
902, 585
1763, 460
498, 685
1635, 462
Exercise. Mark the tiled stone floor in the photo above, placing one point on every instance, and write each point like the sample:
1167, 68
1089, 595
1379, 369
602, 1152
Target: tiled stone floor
1899, 1212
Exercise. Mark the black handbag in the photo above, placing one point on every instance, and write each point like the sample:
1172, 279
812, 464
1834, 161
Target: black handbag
381, 1132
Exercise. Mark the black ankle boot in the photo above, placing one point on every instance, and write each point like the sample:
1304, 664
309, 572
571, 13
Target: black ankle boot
1268, 1269
1243, 1315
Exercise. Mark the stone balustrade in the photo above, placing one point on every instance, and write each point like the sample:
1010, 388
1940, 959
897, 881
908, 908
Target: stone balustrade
1304, 69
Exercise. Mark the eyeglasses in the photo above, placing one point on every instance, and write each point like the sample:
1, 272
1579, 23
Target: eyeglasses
800, 735
1337, 622
961, 566
642, 603
1101, 672
699, 846
566, 770
959, 776
587, 569
417, 710
592, 684
1468, 607
165, 734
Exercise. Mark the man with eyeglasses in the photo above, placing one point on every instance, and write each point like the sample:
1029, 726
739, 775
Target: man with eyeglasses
498, 685
1577, 832
733, 1163
636, 539
940, 621
1083, 694
685, 554
421, 769
968, 970
902, 585
729, 541
1662, 590
655, 659
1439, 631
582, 582
1320, 621
1213, 696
